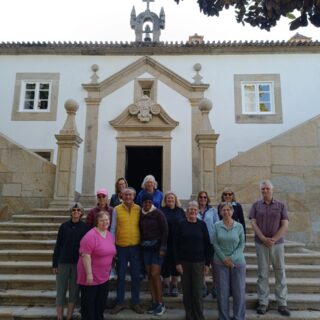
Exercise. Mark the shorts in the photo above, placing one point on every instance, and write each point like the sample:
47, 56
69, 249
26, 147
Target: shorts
152, 257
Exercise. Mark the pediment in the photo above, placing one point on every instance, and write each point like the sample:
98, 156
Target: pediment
144, 114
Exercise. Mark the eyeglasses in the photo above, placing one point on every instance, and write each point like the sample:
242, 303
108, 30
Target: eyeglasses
203, 197
228, 194
101, 196
76, 209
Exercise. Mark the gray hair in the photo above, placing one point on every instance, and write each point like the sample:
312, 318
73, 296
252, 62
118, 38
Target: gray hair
266, 183
147, 178
228, 204
193, 204
129, 189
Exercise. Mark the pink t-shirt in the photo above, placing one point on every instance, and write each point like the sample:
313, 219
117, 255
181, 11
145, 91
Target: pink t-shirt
102, 250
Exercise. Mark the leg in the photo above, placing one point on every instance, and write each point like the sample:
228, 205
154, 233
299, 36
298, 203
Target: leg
101, 298
263, 260
187, 289
88, 298
281, 291
223, 290
196, 284
152, 291
73, 290
122, 269
238, 288
135, 265
156, 282
61, 285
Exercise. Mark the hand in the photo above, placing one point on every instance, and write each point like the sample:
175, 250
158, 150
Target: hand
162, 253
89, 278
55, 270
268, 242
228, 262
206, 269
179, 268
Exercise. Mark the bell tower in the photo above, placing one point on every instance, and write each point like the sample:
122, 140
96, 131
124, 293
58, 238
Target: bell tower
147, 25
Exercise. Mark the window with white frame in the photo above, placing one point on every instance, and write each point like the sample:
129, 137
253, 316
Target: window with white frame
257, 98
35, 97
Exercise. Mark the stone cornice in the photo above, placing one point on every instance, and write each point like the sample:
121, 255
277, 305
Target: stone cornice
158, 48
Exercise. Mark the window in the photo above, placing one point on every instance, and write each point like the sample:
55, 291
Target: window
258, 98
45, 154
35, 97
145, 87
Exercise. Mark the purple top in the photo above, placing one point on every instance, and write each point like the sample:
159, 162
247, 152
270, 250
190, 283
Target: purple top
102, 250
268, 217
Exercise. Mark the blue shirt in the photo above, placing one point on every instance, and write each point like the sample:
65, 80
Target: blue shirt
209, 217
156, 197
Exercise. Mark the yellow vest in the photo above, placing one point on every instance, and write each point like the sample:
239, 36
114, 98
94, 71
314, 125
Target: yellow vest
127, 228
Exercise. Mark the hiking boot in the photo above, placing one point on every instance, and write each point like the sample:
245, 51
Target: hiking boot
137, 308
117, 309
284, 311
262, 309
159, 310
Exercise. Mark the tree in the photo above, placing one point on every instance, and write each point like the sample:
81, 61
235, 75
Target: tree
265, 14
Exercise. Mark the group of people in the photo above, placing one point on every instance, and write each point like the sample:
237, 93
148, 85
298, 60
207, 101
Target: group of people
151, 231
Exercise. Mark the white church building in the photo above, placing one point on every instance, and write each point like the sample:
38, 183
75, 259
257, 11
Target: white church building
197, 115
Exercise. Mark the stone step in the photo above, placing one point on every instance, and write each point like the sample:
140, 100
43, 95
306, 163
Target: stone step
47, 282
49, 313
32, 235
21, 226
39, 219
52, 211
26, 255
45, 267
27, 244
47, 298
290, 246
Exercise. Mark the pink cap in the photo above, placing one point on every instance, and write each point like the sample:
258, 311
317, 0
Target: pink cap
102, 191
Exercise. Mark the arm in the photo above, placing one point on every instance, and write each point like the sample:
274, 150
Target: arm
164, 232
113, 228
282, 230
241, 219
216, 245
86, 258
57, 248
240, 246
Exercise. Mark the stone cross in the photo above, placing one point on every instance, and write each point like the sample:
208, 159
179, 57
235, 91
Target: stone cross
148, 3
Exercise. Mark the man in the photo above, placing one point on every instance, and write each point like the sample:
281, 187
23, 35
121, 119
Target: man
102, 204
125, 227
269, 219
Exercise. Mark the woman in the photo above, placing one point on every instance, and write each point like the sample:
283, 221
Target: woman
173, 212
116, 198
64, 260
154, 234
230, 265
97, 250
192, 252
209, 216
229, 196
149, 186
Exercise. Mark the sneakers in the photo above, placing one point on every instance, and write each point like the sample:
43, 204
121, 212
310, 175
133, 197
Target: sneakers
137, 308
152, 307
166, 291
117, 309
159, 310
262, 309
284, 311
174, 292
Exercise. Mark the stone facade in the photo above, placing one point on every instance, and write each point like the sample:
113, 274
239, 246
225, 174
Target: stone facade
26, 179
291, 161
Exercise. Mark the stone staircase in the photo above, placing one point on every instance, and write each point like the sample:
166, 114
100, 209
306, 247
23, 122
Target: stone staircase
27, 285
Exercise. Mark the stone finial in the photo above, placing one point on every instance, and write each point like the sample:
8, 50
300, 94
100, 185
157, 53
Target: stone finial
205, 106
197, 78
70, 127
94, 78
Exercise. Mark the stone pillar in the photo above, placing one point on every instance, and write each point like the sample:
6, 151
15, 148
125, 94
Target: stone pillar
90, 152
68, 141
206, 139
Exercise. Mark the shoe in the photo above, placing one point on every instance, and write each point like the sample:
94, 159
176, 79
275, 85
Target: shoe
174, 291
159, 310
262, 309
166, 291
117, 309
113, 274
284, 311
137, 308
205, 291
214, 293
152, 307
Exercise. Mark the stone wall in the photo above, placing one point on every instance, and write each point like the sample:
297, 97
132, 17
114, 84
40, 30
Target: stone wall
26, 179
292, 162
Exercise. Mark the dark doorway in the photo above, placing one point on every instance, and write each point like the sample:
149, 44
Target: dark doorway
141, 161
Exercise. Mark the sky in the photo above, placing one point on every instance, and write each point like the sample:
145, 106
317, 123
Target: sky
109, 20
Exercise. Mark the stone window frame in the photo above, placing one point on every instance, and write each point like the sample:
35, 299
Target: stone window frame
38, 115
49, 151
240, 117
141, 83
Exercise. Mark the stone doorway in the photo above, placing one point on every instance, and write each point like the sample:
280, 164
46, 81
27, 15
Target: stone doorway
141, 161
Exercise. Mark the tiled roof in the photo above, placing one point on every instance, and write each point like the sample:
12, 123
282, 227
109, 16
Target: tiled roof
161, 48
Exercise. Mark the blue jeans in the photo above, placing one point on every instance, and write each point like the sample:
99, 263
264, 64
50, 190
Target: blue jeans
231, 280
128, 254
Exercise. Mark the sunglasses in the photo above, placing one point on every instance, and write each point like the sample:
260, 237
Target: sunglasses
228, 194
101, 196
76, 209
203, 197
